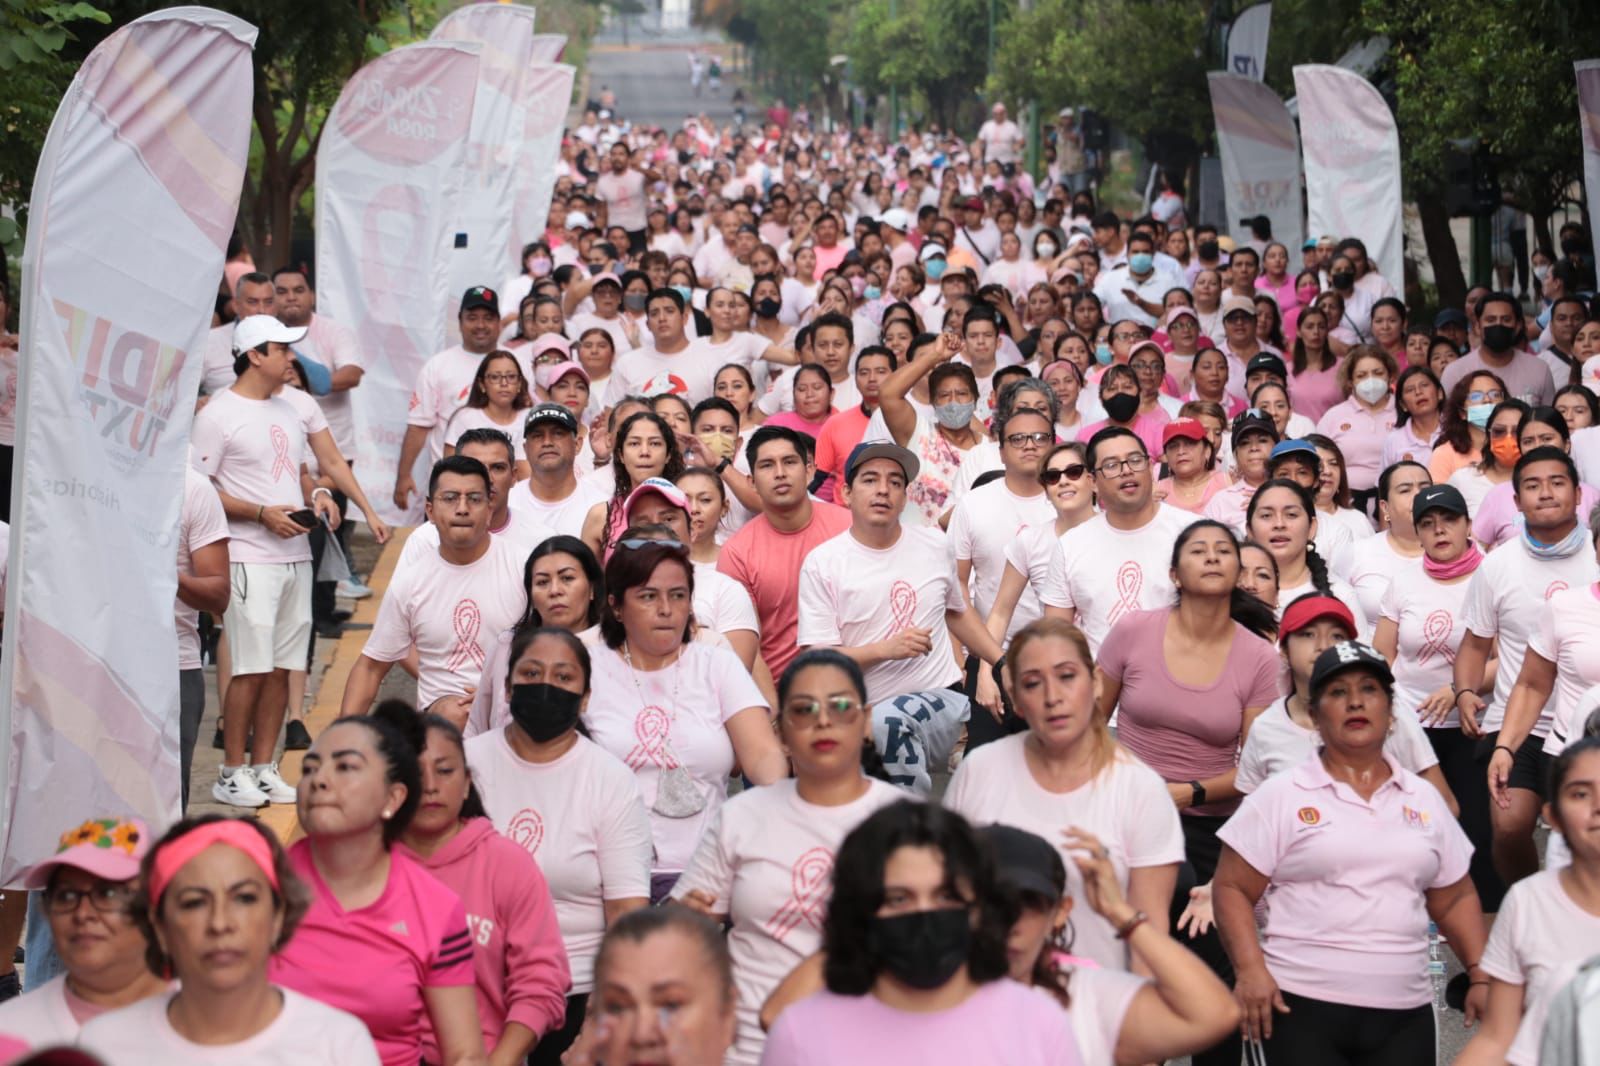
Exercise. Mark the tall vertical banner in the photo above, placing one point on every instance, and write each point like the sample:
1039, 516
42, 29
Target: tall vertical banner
1588, 72
389, 179
1352, 154
549, 47
1247, 42
549, 94
134, 200
1260, 155
504, 35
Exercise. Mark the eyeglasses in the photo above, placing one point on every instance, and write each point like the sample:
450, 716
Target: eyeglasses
1489, 396
105, 898
635, 543
1072, 472
1147, 366
450, 499
1017, 440
502, 379
1133, 464
1126, 336
841, 709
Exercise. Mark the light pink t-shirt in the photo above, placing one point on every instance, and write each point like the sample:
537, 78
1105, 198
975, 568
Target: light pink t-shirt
1360, 434
443, 386
305, 1032
1495, 520
46, 1016
1569, 636
1369, 565
1106, 572
767, 860
1002, 1023
1428, 614
376, 962
334, 346
984, 524
1126, 805
624, 198
451, 614
252, 449
689, 373
564, 516
582, 819
1347, 918
852, 595
661, 719
1149, 427
522, 531
1540, 938
1277, 743
469, 418
201, 522
1185, 732
1313, 392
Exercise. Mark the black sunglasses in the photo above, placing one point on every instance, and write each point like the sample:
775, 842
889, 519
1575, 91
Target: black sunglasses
1071, 472
635, 543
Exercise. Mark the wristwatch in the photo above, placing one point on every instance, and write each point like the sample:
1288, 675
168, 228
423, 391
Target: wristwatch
1199, 794
723, 464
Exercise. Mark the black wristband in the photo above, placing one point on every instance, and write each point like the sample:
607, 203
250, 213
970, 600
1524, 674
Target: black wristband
1508, 751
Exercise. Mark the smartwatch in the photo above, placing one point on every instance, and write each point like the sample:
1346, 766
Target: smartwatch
1199, 794
723, 464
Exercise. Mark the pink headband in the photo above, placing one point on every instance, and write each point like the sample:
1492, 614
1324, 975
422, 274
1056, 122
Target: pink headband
230, 831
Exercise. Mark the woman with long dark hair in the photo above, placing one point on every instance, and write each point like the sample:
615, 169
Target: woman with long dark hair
1464, 421
1419, 417
1282, 517
646, 447
497, 399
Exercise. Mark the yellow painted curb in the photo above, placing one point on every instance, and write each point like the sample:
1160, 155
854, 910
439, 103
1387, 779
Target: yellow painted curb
330, 690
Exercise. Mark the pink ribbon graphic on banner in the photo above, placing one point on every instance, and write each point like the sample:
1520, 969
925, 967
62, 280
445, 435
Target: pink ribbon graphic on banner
653, 728
527, 829
467, 619
902, 605
281, 463
1130, 580
810, 880
1436, 637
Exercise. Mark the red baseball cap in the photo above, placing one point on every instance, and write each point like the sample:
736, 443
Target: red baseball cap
1188, 428
1308, 609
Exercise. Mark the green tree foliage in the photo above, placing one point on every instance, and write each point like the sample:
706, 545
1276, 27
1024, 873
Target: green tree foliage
933, 51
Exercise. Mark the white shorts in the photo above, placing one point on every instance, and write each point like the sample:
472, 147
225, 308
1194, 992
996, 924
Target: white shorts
268, 620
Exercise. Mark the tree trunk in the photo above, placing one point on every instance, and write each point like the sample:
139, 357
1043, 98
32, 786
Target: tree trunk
1442, 252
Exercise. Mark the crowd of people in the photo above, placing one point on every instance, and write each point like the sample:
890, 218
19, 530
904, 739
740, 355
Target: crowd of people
873, 604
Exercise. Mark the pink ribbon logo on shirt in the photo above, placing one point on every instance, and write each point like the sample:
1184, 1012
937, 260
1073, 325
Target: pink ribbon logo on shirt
903, 605
1130, 580
810, 889
467, 619
281, 464
1436, 637
1555, 587
653, 728
527, 829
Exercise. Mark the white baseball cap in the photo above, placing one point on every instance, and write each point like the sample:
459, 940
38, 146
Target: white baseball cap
577, 220
897, 219
256, 330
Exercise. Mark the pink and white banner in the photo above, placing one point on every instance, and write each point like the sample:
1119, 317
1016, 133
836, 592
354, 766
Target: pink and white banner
549, 94
389, 180
504, 35
1260, 155
134, 200
549, 47
1352, 154
1588, 73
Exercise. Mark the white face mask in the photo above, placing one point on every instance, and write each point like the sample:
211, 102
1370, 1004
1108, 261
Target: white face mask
1541, 270
1371, 390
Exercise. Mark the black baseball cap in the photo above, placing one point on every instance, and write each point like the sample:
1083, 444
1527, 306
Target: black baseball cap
1450, 316
546, 413
1272, 364
1253, 421
1025, 862
1349, 655
480, 296
1437, 498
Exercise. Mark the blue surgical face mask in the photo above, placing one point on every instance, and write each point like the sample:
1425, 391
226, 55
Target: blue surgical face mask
934, 268
684, 291
1102, 353
871, 292
1478, 414
1140, 262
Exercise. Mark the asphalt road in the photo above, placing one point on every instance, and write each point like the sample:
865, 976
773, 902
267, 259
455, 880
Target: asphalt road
651, 81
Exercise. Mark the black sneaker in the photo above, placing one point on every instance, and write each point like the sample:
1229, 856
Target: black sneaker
216, 741
295, 736
329, 630
10, 986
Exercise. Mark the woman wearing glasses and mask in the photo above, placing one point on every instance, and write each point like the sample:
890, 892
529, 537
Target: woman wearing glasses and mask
681, 713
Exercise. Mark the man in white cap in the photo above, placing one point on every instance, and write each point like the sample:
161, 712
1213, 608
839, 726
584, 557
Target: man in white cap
1000, 140
252, 442
574, 224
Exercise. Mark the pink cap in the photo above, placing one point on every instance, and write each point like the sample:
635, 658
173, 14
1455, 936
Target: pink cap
107, 848
661, 487
1181, 311
607, 276
549, 342
548, 375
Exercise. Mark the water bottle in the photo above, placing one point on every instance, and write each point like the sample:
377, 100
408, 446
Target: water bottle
1436, 966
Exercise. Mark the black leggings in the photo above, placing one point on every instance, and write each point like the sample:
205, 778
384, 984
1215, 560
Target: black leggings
1467, 775
981, 725
551, 1046
1202, 849
1318, 1033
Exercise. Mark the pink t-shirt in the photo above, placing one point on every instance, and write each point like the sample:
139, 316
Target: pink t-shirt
376, 962
1347, 920
791, 420
1360, 434
767, 563
1148, 427
1126, 805
580, 816
1314, 392
46, 1016
1002, 1023
852, 595
1217, 482
768, 862
451, 614
1428, 615
1495, 521
252, 449
624, 198
1569, 636
842, 433
517, 955
201, 522
442, 387
1185, 732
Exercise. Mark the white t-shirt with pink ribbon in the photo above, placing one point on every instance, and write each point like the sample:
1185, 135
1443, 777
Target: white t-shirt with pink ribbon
442, 388
983, 526
452, 614
1428, 614
767, 860
852, 595
252, 449
201, 522
1569, 636
1104, 573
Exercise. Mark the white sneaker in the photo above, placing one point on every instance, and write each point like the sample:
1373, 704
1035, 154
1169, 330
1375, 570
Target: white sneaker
351, 589
274, 787
238, 789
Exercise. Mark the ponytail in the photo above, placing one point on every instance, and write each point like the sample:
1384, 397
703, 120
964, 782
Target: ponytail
1318, 569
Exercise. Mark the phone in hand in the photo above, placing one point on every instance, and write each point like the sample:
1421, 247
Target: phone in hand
305, 517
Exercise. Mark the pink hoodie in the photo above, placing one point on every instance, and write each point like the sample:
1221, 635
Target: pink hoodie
519, 964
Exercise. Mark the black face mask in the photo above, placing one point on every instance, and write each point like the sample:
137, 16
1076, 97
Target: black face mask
1499, 338
923, 949
768, 308
1208, 250
1121, 407
1342, 280
543, 711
